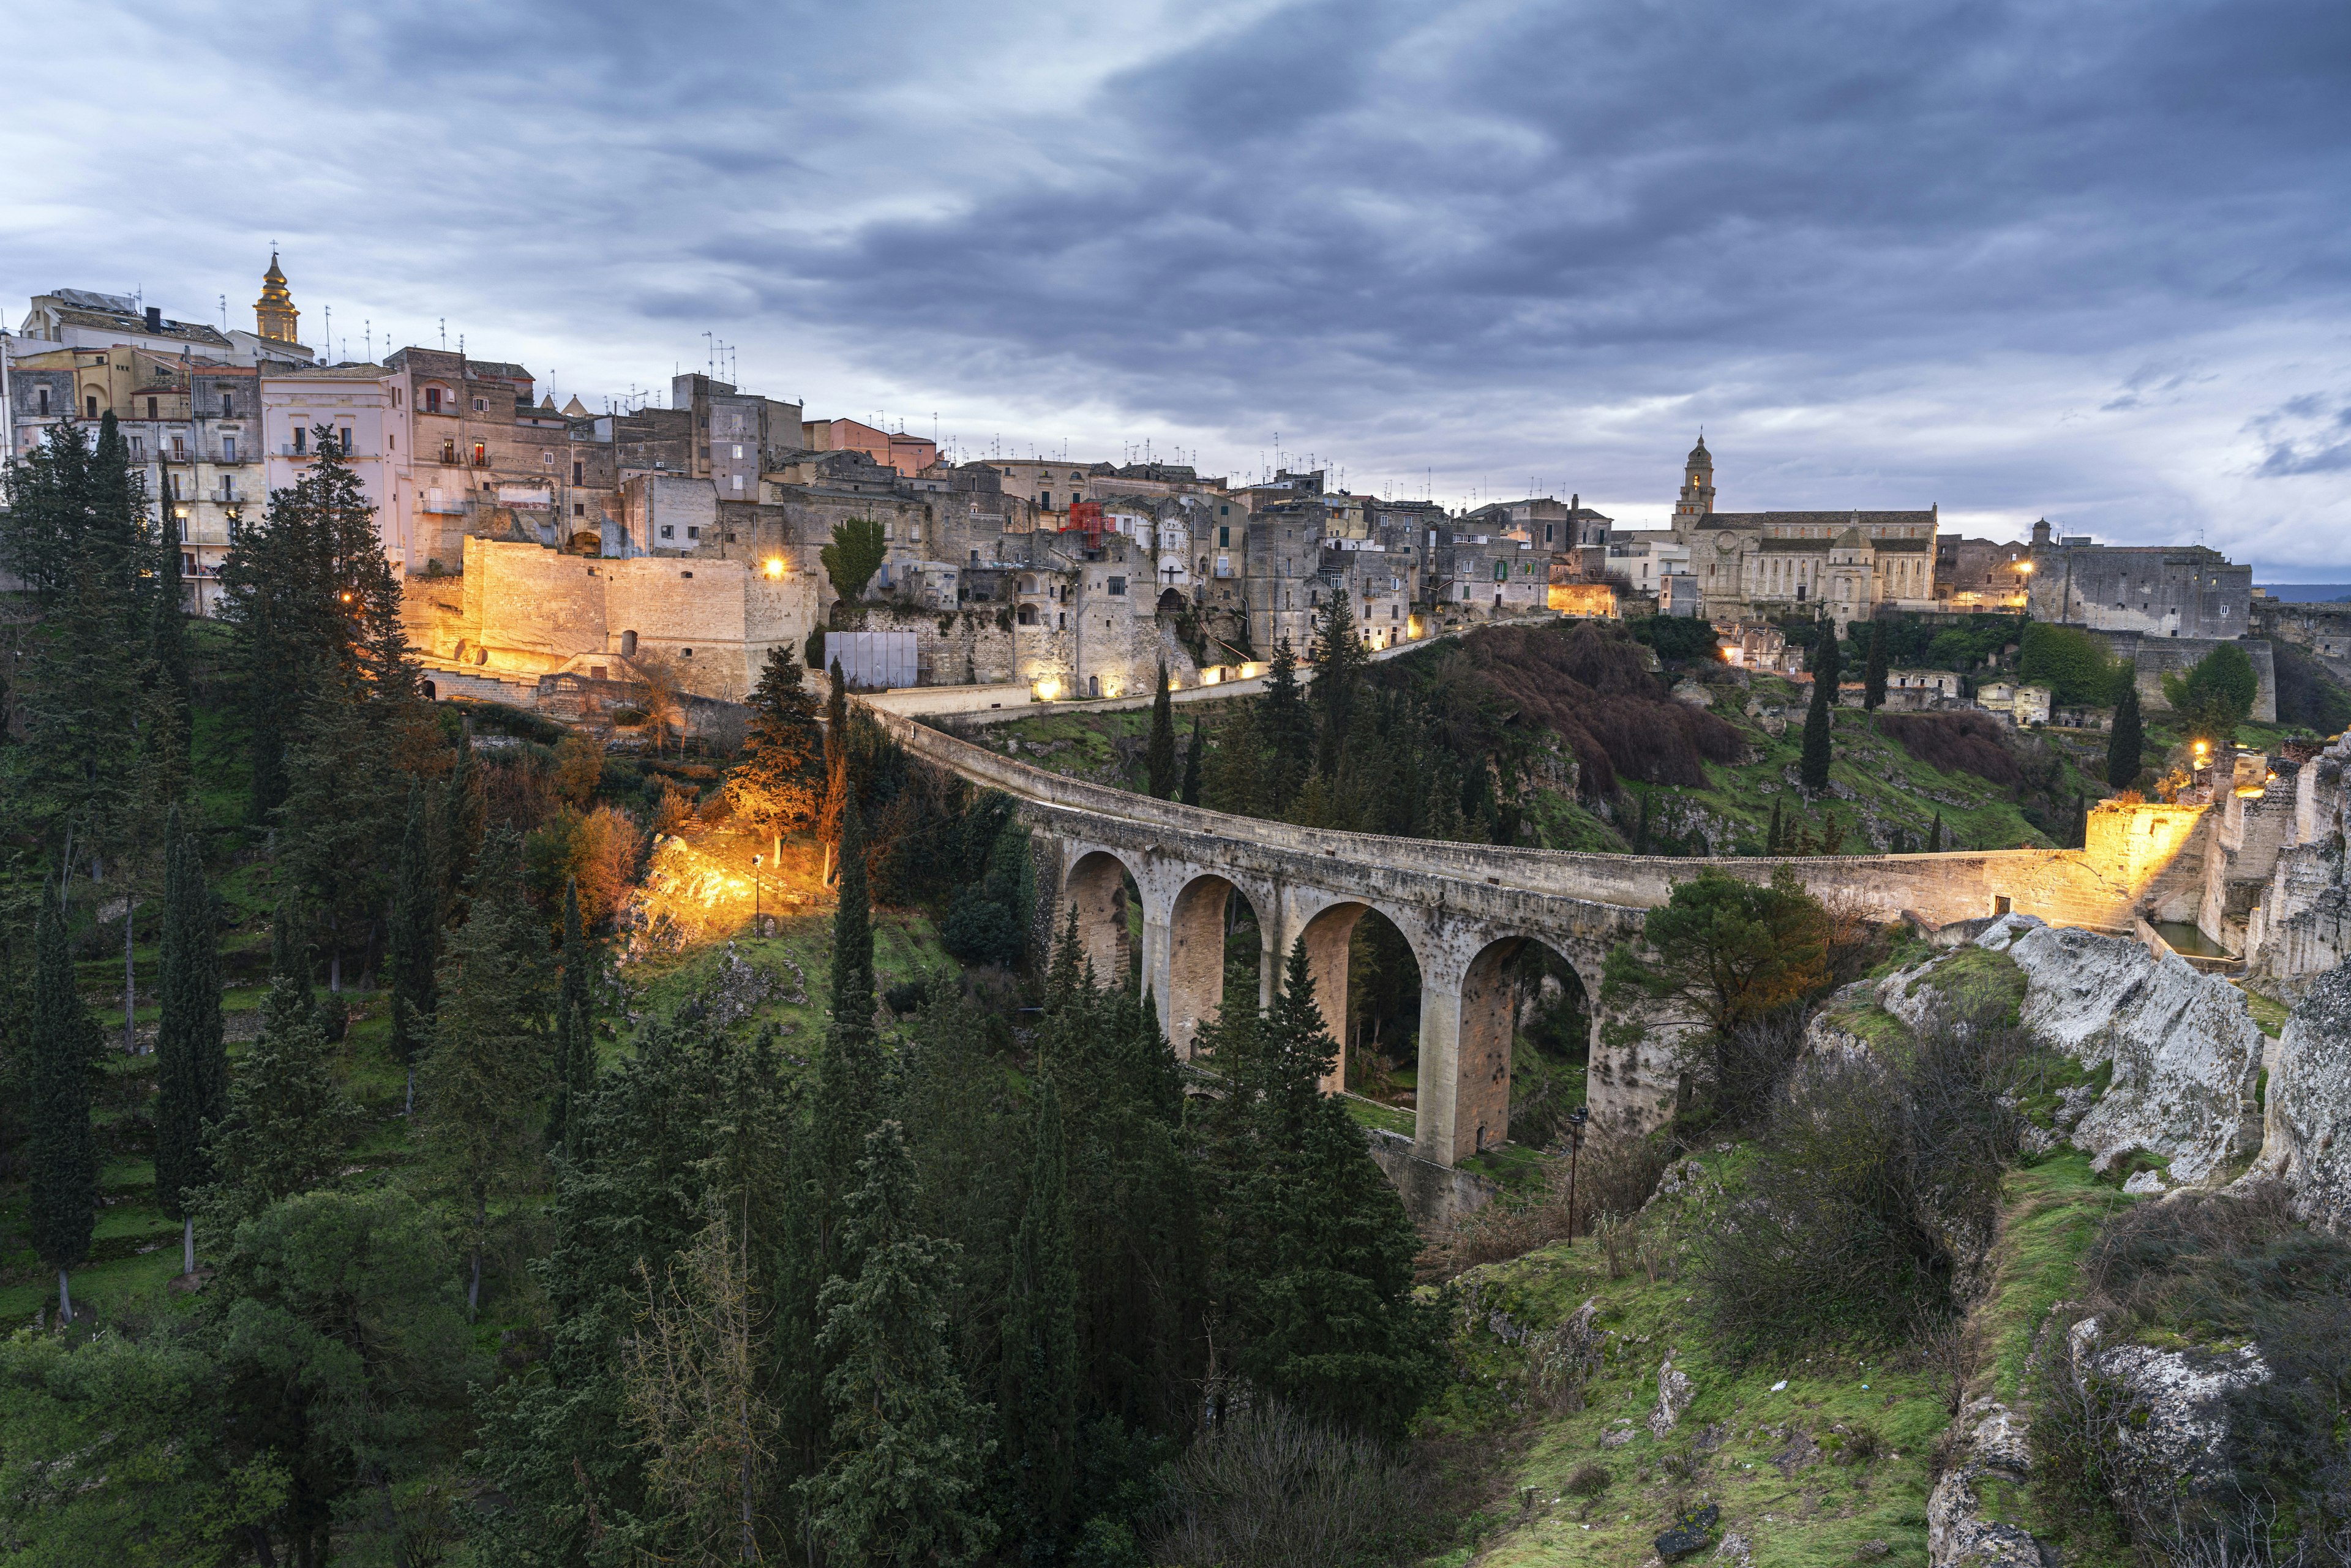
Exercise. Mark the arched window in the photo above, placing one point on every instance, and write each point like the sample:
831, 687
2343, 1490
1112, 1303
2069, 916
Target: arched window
1028, 615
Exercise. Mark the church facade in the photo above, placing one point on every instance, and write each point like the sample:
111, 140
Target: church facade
1752, 564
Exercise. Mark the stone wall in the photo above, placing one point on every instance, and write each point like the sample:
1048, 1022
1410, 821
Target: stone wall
2324, 630
2153, 657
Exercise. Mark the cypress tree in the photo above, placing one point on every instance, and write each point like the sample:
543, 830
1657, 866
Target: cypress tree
288, 1121
63, 1207
413, 949
1820, 719
849, 1074
1159, 755
1194, 755
908, 1440
1339, 660
2124, 741
459, 824
1873, 690
1037, 1400
1772, 839
1287, 728
1935, 835
575, 1038
191, 1060
837, 789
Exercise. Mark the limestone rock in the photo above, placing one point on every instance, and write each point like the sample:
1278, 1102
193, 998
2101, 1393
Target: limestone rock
1674, 1395
2179, 1418
1686, 1536
2008, 930
2307, 1144
1992, 1448
2185, 1050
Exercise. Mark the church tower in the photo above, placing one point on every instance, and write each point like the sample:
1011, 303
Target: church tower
274, 315
1698, 487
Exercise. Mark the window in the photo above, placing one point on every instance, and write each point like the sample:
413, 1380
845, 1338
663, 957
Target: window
175, 488
345, 447
578, 510
139, 449
187, 563
92, 402
668, 532
1044, 497
432, 400
151, 409
302, 440
1223, 511
739, 481
179, 449
1501, 570
693, 533
449, 452
1117, 587
391, 440
577, 468
45, 400
228, 448
547, 459
1224, 537
481, 405
738, 452
395, 397
481, 454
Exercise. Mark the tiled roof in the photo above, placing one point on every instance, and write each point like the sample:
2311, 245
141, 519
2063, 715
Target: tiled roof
1842, 519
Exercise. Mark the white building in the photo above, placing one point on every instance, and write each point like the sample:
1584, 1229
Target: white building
354, 403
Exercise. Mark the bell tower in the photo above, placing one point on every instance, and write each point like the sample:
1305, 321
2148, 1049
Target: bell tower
1698, 486
274, 316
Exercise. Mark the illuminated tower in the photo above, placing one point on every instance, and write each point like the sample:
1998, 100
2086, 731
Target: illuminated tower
274, 315
1698, 487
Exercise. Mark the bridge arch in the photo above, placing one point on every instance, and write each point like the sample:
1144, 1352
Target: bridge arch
1464, 1102
1099, 884
1328, 922
1192, 990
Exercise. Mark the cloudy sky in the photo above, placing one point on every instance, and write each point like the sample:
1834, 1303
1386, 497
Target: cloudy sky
2086, 261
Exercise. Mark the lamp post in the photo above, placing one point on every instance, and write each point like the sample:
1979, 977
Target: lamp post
756, 929
1575, 1122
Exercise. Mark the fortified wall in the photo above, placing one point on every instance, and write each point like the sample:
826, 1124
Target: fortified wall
2152, 657
522, 610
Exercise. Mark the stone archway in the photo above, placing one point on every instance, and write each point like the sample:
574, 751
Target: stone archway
1468, 1032
1198, 928
1096, 885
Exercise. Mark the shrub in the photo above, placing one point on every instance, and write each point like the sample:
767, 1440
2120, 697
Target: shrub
1268, 1488
1589, 1481
1973, 743
979, 930
1590, 686
2072, 664
1677, 636
907, 995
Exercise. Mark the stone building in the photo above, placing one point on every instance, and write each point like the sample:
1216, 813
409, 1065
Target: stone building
1750, 564
2156, 590
1972, 575
909, 455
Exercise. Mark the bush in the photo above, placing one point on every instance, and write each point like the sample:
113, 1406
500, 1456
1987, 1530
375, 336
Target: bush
979, 930
1678, 636
1973, 743
1871, 1178
2215, 696
2075, 664
1588, 685
1270, 1488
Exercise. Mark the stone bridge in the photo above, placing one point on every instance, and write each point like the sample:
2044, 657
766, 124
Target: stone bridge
1467, 910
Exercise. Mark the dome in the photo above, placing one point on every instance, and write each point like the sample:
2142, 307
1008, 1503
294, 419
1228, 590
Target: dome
1699, 455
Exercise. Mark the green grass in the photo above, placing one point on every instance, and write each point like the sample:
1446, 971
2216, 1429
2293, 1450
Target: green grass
1371, 1114
2050, 1215
1723, 1449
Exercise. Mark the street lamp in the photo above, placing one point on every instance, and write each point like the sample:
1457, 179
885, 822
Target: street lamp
1575, 1122
756, 929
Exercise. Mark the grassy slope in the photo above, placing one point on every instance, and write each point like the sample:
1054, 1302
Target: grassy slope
1885, 784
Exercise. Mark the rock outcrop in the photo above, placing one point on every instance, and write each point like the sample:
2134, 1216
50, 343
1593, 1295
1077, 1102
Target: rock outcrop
2307, 1126
2173, 1416
1988, 1449
2185, 1053
1674, 1395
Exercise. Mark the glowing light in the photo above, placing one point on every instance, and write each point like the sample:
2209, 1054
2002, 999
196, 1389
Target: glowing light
2024, 566
1212, 674
2200, 748
775, 567
346, 598
1047, 690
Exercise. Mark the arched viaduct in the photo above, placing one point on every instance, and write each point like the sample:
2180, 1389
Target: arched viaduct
1465, 910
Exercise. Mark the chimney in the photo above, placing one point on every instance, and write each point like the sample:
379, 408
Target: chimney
154, 318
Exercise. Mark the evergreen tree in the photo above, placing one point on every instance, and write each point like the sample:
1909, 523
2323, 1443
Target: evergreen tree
1935, 835
1340, 658
488, 1068
1236, 779
2125, 742
1772, 839
780, 782
289, 1123
1873, 690
1820, 719
62, 1208
1193, 755
164, 700
191, 1060
1286, 729
575, 1035
908, 1441
851, 1072
837, 783
458, 825
1159, 755
1316, 1265
1037, 1402
413, 952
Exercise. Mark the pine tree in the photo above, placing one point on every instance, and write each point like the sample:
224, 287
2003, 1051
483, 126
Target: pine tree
1340, 658
1820, 719
837, 783
488, 1068
62, 1208
2125, 742
1194, 755
1159, 753
1286, 728
780, 782
575, 1034
1037, 1400
191, 1060
1873, 690
413, 950
908, 1441
289, 1122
